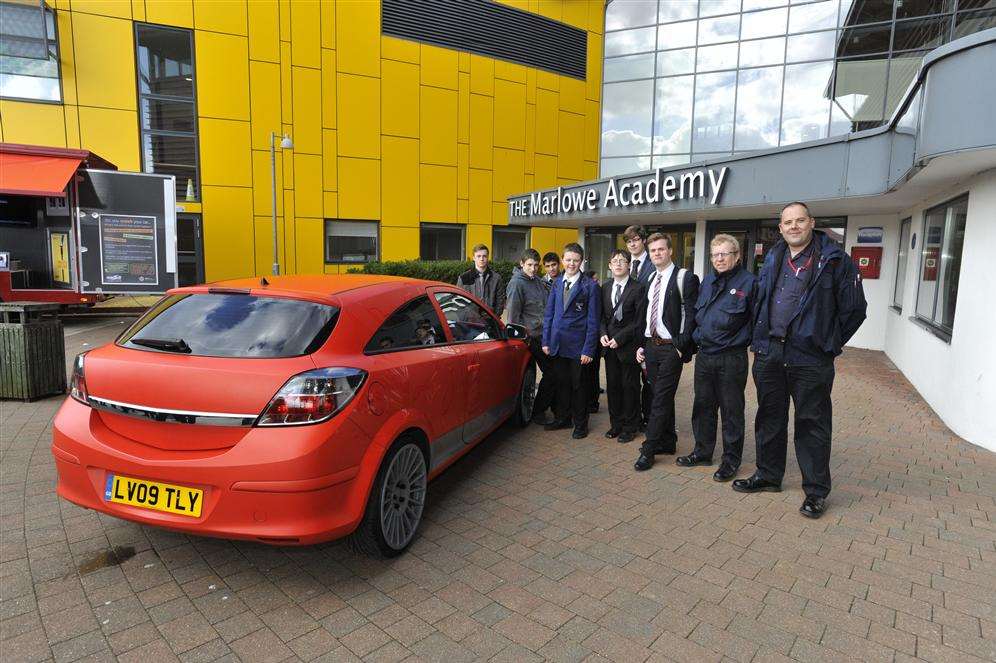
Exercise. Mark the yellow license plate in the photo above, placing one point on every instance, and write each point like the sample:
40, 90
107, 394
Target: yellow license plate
153, 495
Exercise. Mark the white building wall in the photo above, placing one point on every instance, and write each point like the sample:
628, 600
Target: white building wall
878, 291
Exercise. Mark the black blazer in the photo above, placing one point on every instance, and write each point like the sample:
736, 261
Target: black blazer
628, 331
672, 308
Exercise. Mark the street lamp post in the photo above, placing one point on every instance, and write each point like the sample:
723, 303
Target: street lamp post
285, 144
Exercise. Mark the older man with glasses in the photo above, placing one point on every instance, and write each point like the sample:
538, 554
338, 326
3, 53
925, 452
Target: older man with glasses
723, 314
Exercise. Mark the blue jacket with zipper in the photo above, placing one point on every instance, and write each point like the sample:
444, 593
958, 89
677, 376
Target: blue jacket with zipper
724, 311
831, 310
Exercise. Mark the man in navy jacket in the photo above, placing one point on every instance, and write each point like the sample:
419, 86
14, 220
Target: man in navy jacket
570, 332
809, 304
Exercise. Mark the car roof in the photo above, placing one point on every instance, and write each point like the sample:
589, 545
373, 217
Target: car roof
311, 286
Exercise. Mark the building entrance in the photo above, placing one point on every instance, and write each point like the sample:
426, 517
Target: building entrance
757, 236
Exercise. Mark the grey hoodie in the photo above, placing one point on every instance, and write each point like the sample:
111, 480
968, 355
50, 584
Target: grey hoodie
526, 301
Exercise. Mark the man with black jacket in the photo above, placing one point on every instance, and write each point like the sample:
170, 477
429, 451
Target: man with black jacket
666, 344
722, 333
810, 302
525, 305
623, 315
484, 282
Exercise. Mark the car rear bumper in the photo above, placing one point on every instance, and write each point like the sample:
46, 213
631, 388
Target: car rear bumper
280, 486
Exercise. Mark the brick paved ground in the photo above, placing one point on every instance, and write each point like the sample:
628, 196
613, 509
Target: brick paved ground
537, 546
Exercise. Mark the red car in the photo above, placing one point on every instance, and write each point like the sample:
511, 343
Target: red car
292, 411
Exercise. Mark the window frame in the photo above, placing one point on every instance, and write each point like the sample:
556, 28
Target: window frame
139, 96
325, 238
440, 319
937, 329
905, 226
461, 227
58, 67
495, 230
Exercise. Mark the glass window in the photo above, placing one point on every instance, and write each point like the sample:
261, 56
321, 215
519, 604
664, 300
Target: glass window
168, 117
940, 263
441, 241
762, 52
509, 243
855, 12
630, 41
864, 40
806, 110
629, 67
910, 8
718, 30
670, 63
749, 5
673, 115
467, 320
859, 91
29, 53
671, 160
970, 23
624, 166
627, 110
676, 10
976, 4
902, 70
350, 241
764, 24
920, 33
713, 123
676, 35
812, 46
759, 98
630, 14
414, 325
714, 58
815, 16
717, 7
904, 252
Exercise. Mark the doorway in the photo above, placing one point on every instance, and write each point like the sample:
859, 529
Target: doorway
189, 250
757, 236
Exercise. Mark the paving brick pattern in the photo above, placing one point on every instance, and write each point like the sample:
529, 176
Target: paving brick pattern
539, 547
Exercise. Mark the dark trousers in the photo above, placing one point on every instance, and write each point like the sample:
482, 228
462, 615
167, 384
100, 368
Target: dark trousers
664, 373
573, 392
594, 377
809, 388
622, 388
646, 395
547, 390
719, 384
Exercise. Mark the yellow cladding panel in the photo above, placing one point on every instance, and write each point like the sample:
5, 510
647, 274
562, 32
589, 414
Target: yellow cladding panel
593, 76
463, 109
480, 195
596, 16
547, 114
331, 204
499, 213
308, 185
264, 30
262, 180
463, 210
482, 75
400, 201
546, 171
547, 80
227, 17
399, 243
34, 124
566, 236
359, 115
328, 24
105, 68
328, 89
437, 193
72, 126
508, 173
439, 131
481, 131
575, 14
222, 76
400, 49
228, 232
67, 60
527, 181
306, 27
264, 78
571, 157
178, 13
439, 66
510, 71
543, 240
399, 99
590, 170
463, 175
307, 110
138, 9
289, 246
118, 8
591, 119
530, 164
572, 95
550, 8
510, 115
330, 176
106, 132
478, 234
263, 235
358, 37
225, 157
310, 236
359, 188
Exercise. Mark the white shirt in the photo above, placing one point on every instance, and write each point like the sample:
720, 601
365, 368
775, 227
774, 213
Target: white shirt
661, 279
620, 282
632, 259
572, 280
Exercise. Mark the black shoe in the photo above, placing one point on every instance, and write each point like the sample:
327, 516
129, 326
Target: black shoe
539, 420
626, 437
643, 426
593, 408
813, 507
667, 452
557, 425
580, 433
691, 460
755, 484
644, 462
724, 473
612, 433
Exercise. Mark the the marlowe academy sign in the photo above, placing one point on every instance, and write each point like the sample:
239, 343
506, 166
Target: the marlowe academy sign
653, 189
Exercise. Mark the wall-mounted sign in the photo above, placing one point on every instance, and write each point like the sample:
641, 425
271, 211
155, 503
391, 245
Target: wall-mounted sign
651, 190
870, 235
128, 250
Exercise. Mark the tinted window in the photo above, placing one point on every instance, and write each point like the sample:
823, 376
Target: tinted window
226, 325
467, 320
414, 324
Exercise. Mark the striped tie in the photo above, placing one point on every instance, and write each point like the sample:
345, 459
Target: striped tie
654, 301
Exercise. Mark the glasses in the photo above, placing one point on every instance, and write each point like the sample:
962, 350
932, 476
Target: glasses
723, 255
619, 261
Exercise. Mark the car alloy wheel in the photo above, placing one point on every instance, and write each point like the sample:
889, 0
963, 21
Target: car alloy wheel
402, 496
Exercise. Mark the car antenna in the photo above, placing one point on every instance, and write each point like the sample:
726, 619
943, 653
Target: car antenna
263, 281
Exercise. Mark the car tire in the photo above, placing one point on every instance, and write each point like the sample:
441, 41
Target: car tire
396, 503
526, 397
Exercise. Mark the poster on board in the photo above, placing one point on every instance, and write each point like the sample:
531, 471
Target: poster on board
128, 249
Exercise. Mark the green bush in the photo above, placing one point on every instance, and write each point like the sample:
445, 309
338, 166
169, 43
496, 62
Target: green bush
446, 271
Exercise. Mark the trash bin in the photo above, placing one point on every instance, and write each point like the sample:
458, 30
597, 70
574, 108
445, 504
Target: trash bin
32, 351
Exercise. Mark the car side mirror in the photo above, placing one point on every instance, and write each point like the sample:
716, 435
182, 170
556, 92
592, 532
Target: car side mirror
515, 331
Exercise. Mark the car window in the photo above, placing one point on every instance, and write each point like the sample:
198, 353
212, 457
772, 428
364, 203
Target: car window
467, 320
413, 325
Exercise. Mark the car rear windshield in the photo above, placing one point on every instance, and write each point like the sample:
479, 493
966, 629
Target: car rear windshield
232, 325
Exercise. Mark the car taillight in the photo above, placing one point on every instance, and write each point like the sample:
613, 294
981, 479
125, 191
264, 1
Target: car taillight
77, 383
313, 396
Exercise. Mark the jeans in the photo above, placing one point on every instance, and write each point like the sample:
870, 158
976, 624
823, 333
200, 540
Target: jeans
719, 384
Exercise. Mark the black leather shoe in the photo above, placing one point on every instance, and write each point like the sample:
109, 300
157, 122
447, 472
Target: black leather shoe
691, 460
643, 426
755, 484
580, 433
612, 433
724, 473
813, 507
626, 437
643, 463
557, 425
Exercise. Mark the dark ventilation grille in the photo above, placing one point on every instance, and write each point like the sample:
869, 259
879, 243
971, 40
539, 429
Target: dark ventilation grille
491, 29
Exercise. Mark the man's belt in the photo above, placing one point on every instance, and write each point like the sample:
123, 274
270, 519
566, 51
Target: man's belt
657, 340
